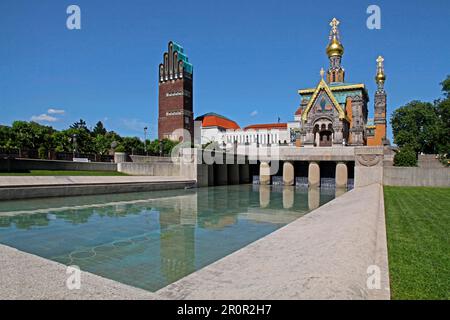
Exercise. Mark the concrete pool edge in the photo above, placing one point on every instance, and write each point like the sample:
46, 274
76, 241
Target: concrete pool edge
322, 255
19, 188
329, 253
25, 276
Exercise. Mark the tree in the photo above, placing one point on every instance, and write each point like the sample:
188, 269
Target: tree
405, 157
99, 129
167, 146
417, 125
133, 145
446, 86
81, 124
31, 135
6, 138
61, 142
443, 109
153, 147
80, 140
102, 143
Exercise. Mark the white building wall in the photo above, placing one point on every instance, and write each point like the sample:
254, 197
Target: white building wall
251, 137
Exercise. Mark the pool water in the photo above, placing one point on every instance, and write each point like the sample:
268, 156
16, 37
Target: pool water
149, 240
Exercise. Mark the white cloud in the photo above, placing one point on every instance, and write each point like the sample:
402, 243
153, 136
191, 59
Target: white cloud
254, 113
55, 111
43, 118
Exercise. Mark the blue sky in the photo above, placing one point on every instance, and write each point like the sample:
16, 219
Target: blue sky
250, 57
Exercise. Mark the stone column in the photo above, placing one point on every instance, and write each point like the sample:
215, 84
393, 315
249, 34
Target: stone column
233, 174
288, 174
120, 157
341, 175
264, 173
314, 174
220, 174
244, 173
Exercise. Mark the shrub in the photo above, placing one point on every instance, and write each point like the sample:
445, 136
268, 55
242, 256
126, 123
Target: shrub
42, 152
405, 157
120, 148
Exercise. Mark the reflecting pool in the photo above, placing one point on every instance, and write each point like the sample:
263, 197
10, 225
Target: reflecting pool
149, 240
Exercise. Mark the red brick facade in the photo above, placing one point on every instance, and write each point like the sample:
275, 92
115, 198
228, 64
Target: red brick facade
175, 108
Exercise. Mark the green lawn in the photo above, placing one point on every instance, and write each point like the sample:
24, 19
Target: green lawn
418, 231
62, 173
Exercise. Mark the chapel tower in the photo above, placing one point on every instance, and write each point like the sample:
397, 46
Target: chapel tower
335, 51
380, 105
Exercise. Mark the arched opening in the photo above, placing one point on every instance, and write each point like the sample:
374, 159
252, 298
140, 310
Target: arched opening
323, 133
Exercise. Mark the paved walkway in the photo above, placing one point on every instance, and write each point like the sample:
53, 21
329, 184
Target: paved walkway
29, 277
14, 188
28, 181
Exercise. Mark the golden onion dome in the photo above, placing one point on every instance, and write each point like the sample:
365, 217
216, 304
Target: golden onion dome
335, 48
380, 77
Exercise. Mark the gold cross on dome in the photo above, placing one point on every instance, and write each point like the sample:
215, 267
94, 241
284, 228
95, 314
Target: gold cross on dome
334, 23
380, 61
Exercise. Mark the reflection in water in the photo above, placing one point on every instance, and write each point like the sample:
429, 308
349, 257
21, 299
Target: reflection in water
264, 196
340, 192
288, 197
149, 240
313, 198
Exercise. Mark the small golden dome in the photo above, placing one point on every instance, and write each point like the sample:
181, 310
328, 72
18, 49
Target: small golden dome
335, 48
380, 77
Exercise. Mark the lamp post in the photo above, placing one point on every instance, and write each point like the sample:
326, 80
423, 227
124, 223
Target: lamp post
145, 141
75, 145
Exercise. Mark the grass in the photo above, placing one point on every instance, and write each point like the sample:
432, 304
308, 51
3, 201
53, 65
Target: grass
62, 173
418, 229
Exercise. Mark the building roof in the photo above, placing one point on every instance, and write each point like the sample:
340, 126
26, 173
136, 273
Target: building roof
340, 91
299, 111
216, 120
266, 126
187, 66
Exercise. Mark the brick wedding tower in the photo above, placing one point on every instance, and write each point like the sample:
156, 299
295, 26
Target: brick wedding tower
175, 95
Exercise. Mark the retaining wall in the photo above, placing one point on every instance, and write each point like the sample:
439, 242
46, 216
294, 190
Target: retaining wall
31, 164
149, 169
416, 177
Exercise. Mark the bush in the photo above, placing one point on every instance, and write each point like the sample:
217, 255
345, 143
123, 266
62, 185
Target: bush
119, 148
42, 152
445, 159
405, 157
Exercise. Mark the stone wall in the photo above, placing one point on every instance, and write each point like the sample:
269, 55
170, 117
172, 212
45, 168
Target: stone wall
149, 169
149, 159
31, 164
420, 177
